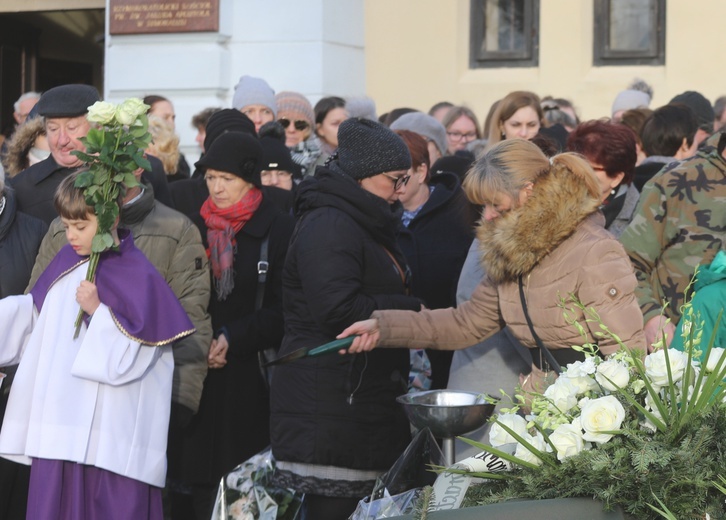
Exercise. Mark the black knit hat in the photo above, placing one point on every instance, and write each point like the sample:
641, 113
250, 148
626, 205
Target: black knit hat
367, 148
67, 101
237, 153
700, 106
227, 120
276, 156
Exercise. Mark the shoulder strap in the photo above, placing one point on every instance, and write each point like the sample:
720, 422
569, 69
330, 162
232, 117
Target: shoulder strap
262, 267
543, 351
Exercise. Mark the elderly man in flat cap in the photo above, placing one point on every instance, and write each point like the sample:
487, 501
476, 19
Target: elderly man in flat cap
64, 108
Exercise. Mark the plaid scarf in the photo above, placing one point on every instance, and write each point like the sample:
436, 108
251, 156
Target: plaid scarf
222, 226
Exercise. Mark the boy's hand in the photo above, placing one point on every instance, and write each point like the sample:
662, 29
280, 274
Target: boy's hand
87, 297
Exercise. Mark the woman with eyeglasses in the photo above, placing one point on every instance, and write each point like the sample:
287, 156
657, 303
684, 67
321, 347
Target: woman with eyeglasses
542, 239
518, 116
295, 114
462, 127
435, 234
335, 423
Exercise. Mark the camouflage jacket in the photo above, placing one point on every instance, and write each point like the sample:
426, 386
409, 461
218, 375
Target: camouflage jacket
680, 223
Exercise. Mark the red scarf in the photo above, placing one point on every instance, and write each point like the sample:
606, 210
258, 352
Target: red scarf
222, 226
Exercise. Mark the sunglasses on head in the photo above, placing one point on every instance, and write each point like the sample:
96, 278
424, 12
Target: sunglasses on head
299, 123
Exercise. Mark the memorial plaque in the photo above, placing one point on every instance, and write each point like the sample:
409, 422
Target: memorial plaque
145, 16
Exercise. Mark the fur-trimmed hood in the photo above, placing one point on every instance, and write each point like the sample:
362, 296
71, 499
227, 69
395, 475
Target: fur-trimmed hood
16, 158
513, 244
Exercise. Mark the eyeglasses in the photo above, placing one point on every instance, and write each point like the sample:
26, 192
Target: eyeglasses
458, 136
299, 123
398, 181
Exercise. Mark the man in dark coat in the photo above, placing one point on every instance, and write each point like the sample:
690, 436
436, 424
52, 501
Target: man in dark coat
20, 237
65, 110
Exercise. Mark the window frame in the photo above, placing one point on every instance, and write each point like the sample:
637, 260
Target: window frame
603, 56
529, 57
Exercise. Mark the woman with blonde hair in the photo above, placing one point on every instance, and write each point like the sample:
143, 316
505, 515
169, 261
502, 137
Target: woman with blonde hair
518, 115
542, 238
462, 127
165, 147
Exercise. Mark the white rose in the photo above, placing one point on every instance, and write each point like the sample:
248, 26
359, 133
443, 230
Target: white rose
615, 371
563, 394
601, 415
713, 358
568, 440
499, 437
657, 370
129, 110
581, 368
537, 441
583, 384
101, 112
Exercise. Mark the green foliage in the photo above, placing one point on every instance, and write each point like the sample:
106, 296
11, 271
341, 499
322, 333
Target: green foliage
629, 471
114, 151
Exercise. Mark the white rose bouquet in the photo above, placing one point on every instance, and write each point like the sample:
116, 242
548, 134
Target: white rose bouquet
114, 151
646, 433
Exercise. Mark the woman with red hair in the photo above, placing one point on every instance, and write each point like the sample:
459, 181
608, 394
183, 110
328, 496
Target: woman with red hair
610, 149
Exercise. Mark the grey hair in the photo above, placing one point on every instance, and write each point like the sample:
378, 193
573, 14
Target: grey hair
27, 95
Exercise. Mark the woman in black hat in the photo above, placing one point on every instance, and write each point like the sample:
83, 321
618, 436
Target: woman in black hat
237, 223
335, 423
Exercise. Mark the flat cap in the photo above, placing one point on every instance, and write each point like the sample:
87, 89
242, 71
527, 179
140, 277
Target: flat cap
67, 101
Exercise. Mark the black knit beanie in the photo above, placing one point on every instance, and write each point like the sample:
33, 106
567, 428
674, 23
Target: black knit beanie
237, 153
227, 120
367, 148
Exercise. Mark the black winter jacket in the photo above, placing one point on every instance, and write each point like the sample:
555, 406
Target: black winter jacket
340, 410
437, 241
435, 244
20, 238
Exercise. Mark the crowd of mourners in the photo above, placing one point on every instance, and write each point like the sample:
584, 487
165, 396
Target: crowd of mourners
444, 242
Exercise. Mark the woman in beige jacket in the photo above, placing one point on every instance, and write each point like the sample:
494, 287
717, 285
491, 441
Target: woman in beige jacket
541, 224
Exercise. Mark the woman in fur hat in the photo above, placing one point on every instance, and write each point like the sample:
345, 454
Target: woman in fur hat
541, 231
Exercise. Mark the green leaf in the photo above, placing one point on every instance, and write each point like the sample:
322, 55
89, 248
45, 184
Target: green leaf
84, 180
130, 180
142, 162
101, 242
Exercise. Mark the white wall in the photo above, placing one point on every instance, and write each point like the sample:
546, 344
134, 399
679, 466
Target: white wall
315, 47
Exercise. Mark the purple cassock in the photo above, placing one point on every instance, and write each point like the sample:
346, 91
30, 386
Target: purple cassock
145, 310
142, 304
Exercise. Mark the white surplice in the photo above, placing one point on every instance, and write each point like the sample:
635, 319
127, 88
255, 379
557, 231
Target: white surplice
102, 399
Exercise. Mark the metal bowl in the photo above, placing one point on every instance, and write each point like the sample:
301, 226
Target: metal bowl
447, 413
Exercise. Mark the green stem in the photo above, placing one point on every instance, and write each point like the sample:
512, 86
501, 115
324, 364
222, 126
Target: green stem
90, 277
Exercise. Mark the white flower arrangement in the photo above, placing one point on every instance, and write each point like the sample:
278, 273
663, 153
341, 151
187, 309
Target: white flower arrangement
630, 430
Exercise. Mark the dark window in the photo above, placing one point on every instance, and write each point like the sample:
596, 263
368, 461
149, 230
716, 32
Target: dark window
504, 33
629, 32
